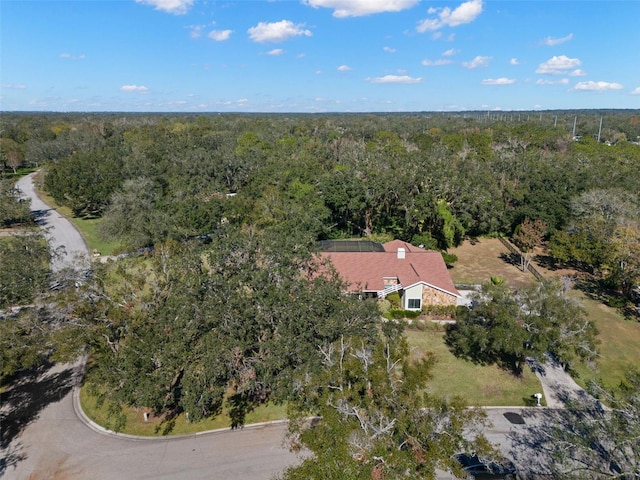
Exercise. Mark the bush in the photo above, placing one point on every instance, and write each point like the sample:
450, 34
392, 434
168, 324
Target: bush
442, 311
426, 240
449, 258
394, 299
384, 305
399, 314
617, 302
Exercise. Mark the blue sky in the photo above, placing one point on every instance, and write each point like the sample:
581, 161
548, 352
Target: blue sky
318, 55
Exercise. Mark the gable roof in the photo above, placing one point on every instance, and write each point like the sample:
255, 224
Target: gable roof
366, 271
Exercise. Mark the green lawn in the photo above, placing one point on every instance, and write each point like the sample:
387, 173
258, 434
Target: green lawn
479, 385
179, 426
619, 347
87, 228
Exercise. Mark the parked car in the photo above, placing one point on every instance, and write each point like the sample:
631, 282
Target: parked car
479, 469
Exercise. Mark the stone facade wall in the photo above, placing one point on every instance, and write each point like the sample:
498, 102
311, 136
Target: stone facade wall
432, 296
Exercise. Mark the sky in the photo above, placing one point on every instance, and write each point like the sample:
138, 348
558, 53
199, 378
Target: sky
318, 55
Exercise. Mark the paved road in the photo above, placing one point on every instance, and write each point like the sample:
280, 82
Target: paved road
58, 445
60, 232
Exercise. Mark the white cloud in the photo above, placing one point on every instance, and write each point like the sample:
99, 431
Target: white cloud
552, 42
13, 86
436, 63
344, 68
359, 8
562, 81
275, 52
559, 65
450, 53
635, 91
277, 31
195, 31
389, 50
498, 81
477, 62
220, 35
466, 12
177, 7
134, 88
514, 61
578, 73
405, 79
68, 56
592, 86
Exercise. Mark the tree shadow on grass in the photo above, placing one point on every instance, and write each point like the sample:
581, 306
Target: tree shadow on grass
592, 288
548, 262
511, 259
29, 393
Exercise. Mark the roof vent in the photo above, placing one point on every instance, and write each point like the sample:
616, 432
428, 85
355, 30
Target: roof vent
401, 253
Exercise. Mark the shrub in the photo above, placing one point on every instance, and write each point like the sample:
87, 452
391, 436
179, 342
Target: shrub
426, 240
399, 314
446, 311
384, 305
449, 258
394, 300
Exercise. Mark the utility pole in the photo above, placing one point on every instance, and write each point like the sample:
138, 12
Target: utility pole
600, 130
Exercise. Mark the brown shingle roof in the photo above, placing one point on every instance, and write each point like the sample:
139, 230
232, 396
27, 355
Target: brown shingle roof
365, 271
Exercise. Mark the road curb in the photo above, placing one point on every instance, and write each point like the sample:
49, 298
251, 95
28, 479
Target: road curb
79, 369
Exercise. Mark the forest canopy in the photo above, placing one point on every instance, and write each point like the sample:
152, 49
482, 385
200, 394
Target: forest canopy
438, 177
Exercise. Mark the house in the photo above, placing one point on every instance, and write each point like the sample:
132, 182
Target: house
419, 276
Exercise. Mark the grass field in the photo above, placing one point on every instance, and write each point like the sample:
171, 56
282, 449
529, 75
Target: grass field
86, 226
484, 258
620, 338
136, 425
619, 347
479, 385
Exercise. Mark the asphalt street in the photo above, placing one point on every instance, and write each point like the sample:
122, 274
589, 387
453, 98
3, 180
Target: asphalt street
59, 445
62, 235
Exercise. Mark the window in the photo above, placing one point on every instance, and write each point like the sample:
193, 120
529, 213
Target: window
414, 304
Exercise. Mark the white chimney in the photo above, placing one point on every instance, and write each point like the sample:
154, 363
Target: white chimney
401, 253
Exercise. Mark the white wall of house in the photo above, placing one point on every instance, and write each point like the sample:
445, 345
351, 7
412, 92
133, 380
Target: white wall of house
412, 298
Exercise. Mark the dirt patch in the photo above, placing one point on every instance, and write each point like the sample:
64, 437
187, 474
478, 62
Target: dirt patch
483, 258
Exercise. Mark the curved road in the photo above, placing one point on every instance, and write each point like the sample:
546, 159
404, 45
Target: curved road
48, 438
62, 235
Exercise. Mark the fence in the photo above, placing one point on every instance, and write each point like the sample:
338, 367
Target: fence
515, 251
